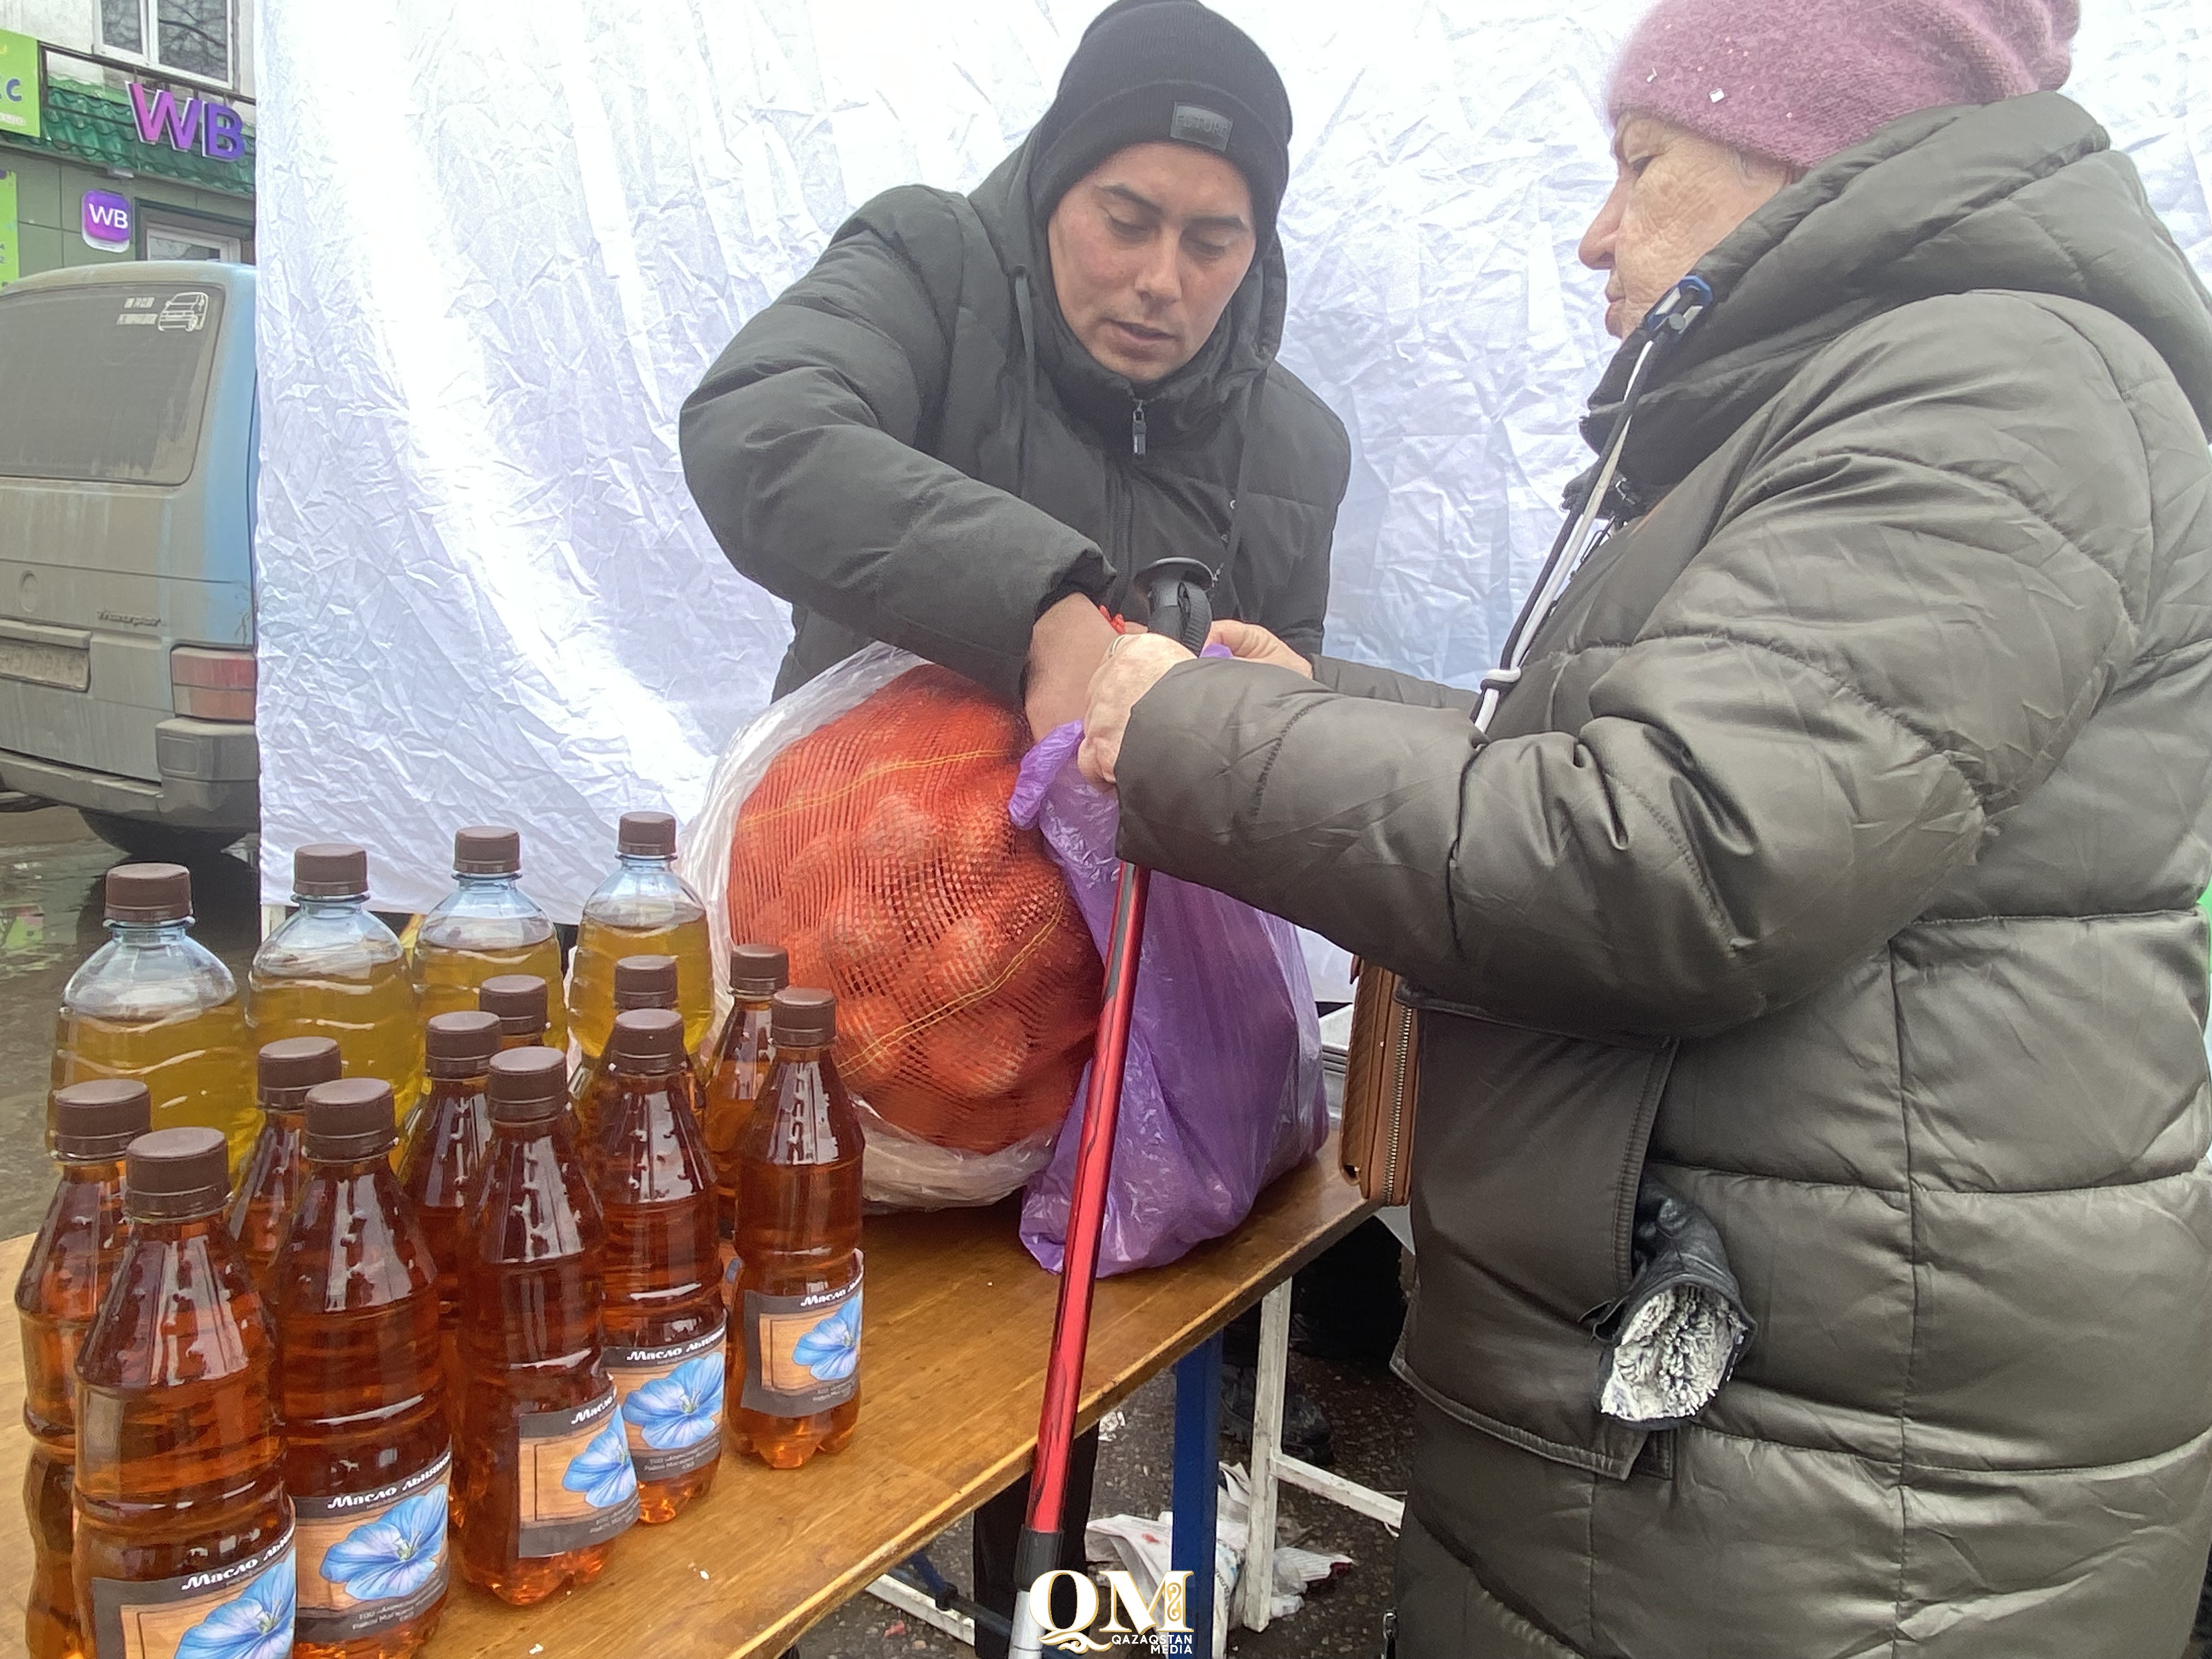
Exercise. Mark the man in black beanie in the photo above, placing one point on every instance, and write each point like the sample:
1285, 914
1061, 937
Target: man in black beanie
979, 418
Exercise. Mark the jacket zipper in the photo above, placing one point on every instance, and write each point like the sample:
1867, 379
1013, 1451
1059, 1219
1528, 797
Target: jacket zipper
1403, 1019
1136, 428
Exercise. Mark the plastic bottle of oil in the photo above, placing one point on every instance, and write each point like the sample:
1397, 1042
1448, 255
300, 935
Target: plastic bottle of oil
155, 1004
523, 1005
642, 909
739, 1066
361, 1390
71, 1262
665, 1318
795, 1285
543, 1470
285, 1070
446, 1140
487, 925
332, 969
183, 1533
640, 982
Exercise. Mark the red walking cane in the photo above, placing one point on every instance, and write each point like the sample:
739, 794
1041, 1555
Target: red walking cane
1179, 609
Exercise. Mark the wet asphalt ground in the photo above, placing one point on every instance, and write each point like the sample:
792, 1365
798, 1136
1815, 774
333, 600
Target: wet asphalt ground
50, 870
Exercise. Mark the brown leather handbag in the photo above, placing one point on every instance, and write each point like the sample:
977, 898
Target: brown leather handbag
1381, 1080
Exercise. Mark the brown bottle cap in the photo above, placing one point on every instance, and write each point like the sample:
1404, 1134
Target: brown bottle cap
648, 1040
758, 970
645, 983
286, 1069
528, 1085
96, 1120
518, 999
487, 850
149, 893
176, 1174
460, 1044
330, 870
349, 1120
645, 835
803, 1017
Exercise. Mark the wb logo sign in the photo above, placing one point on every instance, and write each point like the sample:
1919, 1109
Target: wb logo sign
1161, 1625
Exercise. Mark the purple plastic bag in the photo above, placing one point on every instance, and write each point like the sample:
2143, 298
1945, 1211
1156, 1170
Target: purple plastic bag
1223, 1089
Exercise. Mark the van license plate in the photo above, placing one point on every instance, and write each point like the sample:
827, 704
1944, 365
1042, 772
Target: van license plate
45, 664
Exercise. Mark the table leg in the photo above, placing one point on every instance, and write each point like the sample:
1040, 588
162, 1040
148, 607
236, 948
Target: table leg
1255, 1584
1197, 1482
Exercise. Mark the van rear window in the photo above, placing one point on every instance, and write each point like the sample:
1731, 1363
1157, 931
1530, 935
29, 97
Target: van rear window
122, 370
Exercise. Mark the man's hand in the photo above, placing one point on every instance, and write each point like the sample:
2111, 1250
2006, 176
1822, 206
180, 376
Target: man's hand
1131, 669
1065, 648
1249, 643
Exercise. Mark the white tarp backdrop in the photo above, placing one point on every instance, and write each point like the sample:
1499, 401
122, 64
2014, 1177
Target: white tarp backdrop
500, 241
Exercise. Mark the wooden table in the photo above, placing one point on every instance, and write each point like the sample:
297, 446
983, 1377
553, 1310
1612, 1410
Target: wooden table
959, 1320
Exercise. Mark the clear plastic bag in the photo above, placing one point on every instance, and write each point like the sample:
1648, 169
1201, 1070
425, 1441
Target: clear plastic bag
1223, 1091
861, 824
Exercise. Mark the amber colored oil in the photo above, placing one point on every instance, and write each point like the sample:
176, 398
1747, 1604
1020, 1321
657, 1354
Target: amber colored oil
440, 1159
798, 1232
530, 1292
601, 943
51, 1630
270, 1181
360, 1384
370, 1015
446, 976
663, 1259
733, 1084
178, 1460
197, 1067
70, 1264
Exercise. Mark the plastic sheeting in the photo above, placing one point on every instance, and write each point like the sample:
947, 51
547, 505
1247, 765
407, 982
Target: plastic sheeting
502, 241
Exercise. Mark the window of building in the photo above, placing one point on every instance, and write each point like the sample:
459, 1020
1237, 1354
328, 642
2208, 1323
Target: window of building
177, 241
191, 36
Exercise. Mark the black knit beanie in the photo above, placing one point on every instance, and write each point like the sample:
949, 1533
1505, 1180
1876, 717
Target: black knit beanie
1149, 69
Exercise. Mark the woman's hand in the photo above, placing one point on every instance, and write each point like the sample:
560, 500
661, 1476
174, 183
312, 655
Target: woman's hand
1132, 667
1249, 643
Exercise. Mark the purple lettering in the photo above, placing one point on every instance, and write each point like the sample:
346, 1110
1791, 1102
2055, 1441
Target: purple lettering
154, 113
225, 139
185, 125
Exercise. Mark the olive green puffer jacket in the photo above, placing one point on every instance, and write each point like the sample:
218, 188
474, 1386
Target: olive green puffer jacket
910, 445
1838, 854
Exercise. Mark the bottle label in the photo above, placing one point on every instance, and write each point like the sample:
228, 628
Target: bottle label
371, 1560
245, 1608
802, 1353
578, 1488
671, 1403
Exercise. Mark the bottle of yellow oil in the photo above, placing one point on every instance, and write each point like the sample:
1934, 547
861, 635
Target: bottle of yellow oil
154, 1004
643, 909
262, 1203
332, 969
640, 982
486, 926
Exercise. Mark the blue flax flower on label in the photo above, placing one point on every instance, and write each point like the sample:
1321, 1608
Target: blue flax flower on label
396, 1555
601, 1471
257, 1625
832, 1350
679, 1409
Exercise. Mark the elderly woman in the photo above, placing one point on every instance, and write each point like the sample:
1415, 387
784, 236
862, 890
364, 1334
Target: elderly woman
1832, 856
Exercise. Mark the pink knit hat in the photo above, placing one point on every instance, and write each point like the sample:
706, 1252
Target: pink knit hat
1799, 80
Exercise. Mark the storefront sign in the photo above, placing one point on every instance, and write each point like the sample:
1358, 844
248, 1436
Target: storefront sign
214, 128
19, 84
105, 220
11, 257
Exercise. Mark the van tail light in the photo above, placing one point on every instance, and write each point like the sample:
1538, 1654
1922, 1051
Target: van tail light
211, 685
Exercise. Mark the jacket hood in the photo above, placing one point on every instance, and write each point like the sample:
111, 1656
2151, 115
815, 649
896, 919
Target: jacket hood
1184, 406
2026, 195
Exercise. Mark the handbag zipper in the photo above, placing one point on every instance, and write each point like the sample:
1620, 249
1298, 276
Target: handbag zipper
1404, 1022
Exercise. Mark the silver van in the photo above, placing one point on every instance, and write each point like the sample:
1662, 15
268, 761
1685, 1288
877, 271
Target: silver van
128, 433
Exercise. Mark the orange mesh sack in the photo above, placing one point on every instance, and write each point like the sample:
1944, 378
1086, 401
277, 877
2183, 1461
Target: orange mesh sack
875, 847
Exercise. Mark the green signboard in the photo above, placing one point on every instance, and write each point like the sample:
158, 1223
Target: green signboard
19, 84
11, 257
